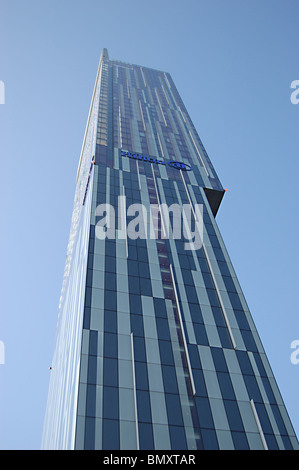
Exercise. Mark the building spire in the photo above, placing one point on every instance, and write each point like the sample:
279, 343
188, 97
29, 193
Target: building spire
105, 54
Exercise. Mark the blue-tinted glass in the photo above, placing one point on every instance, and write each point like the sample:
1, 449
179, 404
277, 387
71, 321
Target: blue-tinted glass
260, 365
244, 362
196, 313
90, 400
199, 381
271, 442
233, 415
269, 390
143, 406
133, 267
242, 320
146, 438
287, 443
141, 376
218, 316
145, 287
110, 321
110, 247
249, 341
90, 261
144, 270
279, 420
225, 338
194, 356
204, 412
209, 438
240, 440
166, 354
229, 284
135, 303
110, 402
110, 345
264, 418
235, 300
177, 438
142, 254
160, 309
110, 434
137, 325
88, 297
219, 360
89, 441
109, 264
223, 268
208, 281
92, 370
174, 411
93, 342
253, 388
213, 298
139, 349
169, 379
110, 374
110, 281
89, 277
110, 300
187, 276
191, 294
162, 329
86, 318
201, 334
91, 245
225, 385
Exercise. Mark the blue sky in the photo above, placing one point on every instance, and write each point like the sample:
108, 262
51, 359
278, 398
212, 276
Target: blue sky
233, 62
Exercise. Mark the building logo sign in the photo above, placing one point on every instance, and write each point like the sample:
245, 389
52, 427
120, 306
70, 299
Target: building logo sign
180, 166
145, 158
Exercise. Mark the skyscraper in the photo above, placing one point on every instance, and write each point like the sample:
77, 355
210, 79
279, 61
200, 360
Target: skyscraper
156, 347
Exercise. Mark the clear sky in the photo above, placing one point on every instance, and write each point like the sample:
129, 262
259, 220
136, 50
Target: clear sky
233, 62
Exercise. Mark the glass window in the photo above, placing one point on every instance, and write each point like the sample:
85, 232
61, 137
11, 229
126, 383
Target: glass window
204, 412
110, 434
89, 437
240, 440
146, 438
233, 415
126, 404
209, 438
110, 373
177, 438
174, 411
110, 403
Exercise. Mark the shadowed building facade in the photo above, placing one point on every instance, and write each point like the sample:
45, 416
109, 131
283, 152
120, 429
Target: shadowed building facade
156, 347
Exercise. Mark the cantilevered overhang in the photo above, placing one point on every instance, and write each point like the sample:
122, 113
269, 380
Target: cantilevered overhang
214, 197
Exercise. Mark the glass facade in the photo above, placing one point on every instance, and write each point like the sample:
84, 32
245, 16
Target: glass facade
156, 348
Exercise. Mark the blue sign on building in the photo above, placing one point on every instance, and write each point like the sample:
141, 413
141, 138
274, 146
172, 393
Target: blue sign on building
172, 163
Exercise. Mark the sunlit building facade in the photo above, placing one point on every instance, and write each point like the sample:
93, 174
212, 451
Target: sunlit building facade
156, 348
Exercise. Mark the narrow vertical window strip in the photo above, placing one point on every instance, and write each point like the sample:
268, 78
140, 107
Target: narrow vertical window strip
183, 331
158, 200
134, 390
258, 424
198, 153
211, 271
125, 220
161, 110
120, 128
138, 175
142, 117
